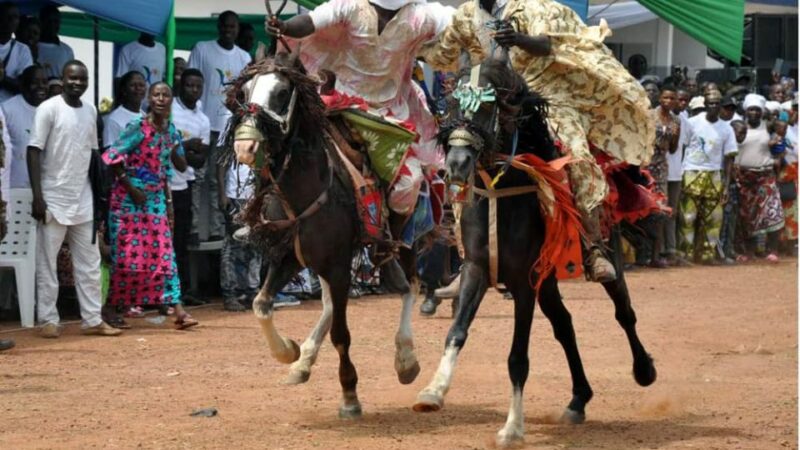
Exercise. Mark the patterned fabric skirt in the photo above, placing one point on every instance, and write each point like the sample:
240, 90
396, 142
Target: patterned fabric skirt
760, 208
701, 206
789, 175
143, 267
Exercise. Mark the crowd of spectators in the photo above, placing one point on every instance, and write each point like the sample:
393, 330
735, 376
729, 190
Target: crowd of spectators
724, 159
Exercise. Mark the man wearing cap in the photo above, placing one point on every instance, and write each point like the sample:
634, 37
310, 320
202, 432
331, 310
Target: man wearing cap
592, 97
371, 47
728, 112
760, 208
706, 168
697, 106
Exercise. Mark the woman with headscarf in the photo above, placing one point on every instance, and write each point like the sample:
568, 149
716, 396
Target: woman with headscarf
760, 208
143, 268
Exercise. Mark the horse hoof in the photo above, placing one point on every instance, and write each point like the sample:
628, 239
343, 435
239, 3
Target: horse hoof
350, 412
428, 402
644, 371
509, 439
297, 377
409, 375
290, 354
572, 417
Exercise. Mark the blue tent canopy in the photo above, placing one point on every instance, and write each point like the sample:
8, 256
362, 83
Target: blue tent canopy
580, 6
149, 16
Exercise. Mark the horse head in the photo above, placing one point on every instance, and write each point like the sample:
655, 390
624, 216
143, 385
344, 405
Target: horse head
266, 100
490, 106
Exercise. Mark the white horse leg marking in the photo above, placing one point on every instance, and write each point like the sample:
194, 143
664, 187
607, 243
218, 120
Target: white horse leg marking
513, 430
283, 349
300, 370
405, 361
432, 397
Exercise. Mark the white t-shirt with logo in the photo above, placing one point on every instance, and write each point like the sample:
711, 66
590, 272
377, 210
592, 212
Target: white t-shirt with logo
675, 160
19, 121
66, 137
191, 124
792, 137
19, 60
53, 57
149, 61
708, 143
754, 150
219, 67
116, 121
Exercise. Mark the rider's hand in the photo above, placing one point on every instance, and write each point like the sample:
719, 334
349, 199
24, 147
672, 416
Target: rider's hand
508, 38
274, 26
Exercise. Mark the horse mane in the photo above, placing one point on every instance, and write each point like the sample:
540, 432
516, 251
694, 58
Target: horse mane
519, 108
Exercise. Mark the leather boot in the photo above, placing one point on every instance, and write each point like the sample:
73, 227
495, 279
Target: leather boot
598, 268
449, 291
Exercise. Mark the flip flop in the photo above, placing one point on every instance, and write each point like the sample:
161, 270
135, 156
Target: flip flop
185, 321
117, 322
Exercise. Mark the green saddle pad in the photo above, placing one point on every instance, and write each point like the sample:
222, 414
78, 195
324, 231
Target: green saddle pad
387, 141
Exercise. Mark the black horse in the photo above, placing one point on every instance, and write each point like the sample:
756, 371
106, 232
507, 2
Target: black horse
305, 214
474, 142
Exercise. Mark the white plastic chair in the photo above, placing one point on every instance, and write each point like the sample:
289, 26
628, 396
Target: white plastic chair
18, 250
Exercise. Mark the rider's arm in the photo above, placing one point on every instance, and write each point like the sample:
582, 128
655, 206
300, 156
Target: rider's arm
299, 26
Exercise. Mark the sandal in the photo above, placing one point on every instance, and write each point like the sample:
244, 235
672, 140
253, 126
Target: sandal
117, 322
742, 258
135, 312
185, 321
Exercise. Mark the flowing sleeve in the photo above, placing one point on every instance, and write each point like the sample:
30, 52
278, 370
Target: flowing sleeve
128, 140
332, 13
444, 52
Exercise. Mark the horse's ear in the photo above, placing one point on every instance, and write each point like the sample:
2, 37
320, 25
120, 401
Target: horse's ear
261, 52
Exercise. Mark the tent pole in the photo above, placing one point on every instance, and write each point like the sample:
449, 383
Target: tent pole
170, 44
96, 32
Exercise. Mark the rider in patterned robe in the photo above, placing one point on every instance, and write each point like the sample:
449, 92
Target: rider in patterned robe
592, 98
371, 46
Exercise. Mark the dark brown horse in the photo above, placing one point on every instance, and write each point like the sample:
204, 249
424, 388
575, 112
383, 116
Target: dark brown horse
520, 233
305, 214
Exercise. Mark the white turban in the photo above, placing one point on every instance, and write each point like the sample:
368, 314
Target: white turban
772, 106
754, 100
394, 5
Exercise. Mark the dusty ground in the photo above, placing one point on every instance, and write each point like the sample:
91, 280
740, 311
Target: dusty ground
724, 340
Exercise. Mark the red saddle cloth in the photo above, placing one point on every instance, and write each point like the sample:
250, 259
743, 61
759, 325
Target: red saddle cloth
628, 199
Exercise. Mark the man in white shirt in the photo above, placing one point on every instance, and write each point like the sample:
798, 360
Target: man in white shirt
60, 150
145, 56
53, 53
130, 96
220, 61
14, 55
195, 129
760, 208
706, 156
20, 111
675, 179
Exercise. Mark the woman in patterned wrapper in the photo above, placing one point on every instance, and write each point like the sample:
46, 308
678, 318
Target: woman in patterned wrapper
593, 99
143, 268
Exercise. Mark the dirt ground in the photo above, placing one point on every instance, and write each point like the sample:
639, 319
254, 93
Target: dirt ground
724, 340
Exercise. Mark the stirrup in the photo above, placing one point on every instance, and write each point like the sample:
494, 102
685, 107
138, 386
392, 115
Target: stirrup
598, 268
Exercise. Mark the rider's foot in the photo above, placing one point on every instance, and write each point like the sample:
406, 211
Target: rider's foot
449, 291
599, 269
241, 234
